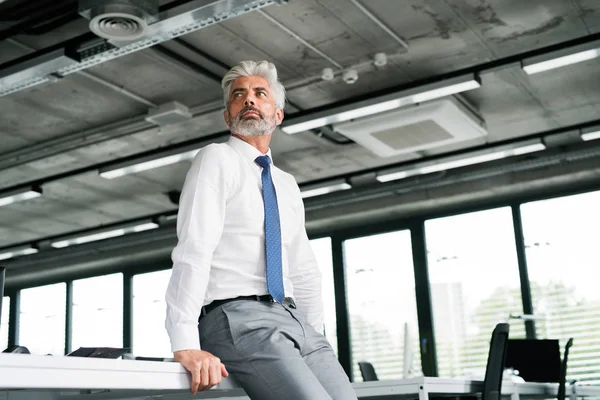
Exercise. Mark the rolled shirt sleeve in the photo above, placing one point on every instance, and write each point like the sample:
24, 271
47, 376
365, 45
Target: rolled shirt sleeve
200, 222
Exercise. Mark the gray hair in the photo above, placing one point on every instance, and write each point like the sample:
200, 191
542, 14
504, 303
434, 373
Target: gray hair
264, 69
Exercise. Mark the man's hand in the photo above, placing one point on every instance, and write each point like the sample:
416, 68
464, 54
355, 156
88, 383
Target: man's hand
205, 368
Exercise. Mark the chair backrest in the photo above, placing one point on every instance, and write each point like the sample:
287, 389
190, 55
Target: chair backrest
563, 372
492, 385
367, 371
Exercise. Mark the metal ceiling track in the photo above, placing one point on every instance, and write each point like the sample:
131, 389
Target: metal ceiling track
81, 53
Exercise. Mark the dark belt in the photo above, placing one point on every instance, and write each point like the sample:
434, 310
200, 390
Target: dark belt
288, 301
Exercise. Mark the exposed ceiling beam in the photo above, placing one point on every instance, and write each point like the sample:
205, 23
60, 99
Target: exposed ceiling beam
379, 23
301, 40
175, 61
206, 61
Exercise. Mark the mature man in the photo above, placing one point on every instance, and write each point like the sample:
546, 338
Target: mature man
245, 293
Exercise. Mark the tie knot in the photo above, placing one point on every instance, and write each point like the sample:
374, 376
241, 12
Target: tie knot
263, 161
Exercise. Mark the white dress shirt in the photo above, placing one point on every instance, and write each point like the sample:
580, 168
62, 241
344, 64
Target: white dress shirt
220, 252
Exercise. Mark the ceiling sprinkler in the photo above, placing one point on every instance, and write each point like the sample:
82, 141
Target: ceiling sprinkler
350, 76
380, 59
327, 74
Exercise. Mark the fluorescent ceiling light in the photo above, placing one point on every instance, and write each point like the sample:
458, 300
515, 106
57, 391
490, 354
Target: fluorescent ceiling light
593, 135
132, 167
103, 235
328, 188
17, 251
457, 162
561, 58
382, 103
19, 195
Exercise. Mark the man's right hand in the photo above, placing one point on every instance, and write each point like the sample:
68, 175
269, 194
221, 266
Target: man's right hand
205, 368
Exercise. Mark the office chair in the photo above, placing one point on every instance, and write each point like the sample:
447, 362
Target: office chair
492, 384
563, 372
367, 371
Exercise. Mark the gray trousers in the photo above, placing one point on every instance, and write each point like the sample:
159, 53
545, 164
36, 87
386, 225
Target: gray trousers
272, 353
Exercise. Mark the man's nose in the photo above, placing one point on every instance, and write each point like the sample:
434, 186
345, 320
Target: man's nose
249, 100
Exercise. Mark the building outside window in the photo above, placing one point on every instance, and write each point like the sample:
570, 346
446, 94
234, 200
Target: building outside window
42, 319
475, 284
98, 312
563, 259
382, 304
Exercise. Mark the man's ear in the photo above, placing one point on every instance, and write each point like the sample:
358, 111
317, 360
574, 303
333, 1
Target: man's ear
226, 117
279, 116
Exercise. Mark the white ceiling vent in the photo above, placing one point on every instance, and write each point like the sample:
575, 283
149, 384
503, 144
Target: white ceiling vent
119, 20
424, 126
169, 113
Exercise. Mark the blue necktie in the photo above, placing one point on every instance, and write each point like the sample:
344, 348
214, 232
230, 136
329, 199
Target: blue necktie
272, 232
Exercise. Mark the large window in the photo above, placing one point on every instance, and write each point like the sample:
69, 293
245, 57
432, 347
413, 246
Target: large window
4, 323
563, 258
322, 250
475, 285
42, 328
381, 302
98, 312
150, 337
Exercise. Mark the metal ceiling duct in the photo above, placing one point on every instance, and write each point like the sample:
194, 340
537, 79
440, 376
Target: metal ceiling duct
119, 19
82, 53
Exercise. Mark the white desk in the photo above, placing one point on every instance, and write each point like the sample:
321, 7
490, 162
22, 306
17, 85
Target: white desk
24, 377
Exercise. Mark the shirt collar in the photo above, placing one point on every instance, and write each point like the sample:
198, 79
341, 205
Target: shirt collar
246, 150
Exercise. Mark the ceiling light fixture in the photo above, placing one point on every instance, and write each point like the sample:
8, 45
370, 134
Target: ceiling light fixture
17, 251
592, 134
324, 188
383, 103
149, 162
561, 58
16, 195
478, 157
106, 234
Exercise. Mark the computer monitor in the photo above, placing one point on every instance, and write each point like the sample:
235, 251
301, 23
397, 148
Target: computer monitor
536, 360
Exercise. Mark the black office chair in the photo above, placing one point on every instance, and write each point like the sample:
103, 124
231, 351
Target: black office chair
367, 371
563, 372
492, 385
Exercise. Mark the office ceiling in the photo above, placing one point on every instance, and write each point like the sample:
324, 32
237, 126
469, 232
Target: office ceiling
56, 133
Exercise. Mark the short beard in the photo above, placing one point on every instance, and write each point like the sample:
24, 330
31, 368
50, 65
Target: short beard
251, 126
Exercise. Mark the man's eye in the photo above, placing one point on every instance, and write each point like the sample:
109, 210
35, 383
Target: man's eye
262, 94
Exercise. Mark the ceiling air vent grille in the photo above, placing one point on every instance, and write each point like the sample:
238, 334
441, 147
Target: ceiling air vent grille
421, 127
119, 20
